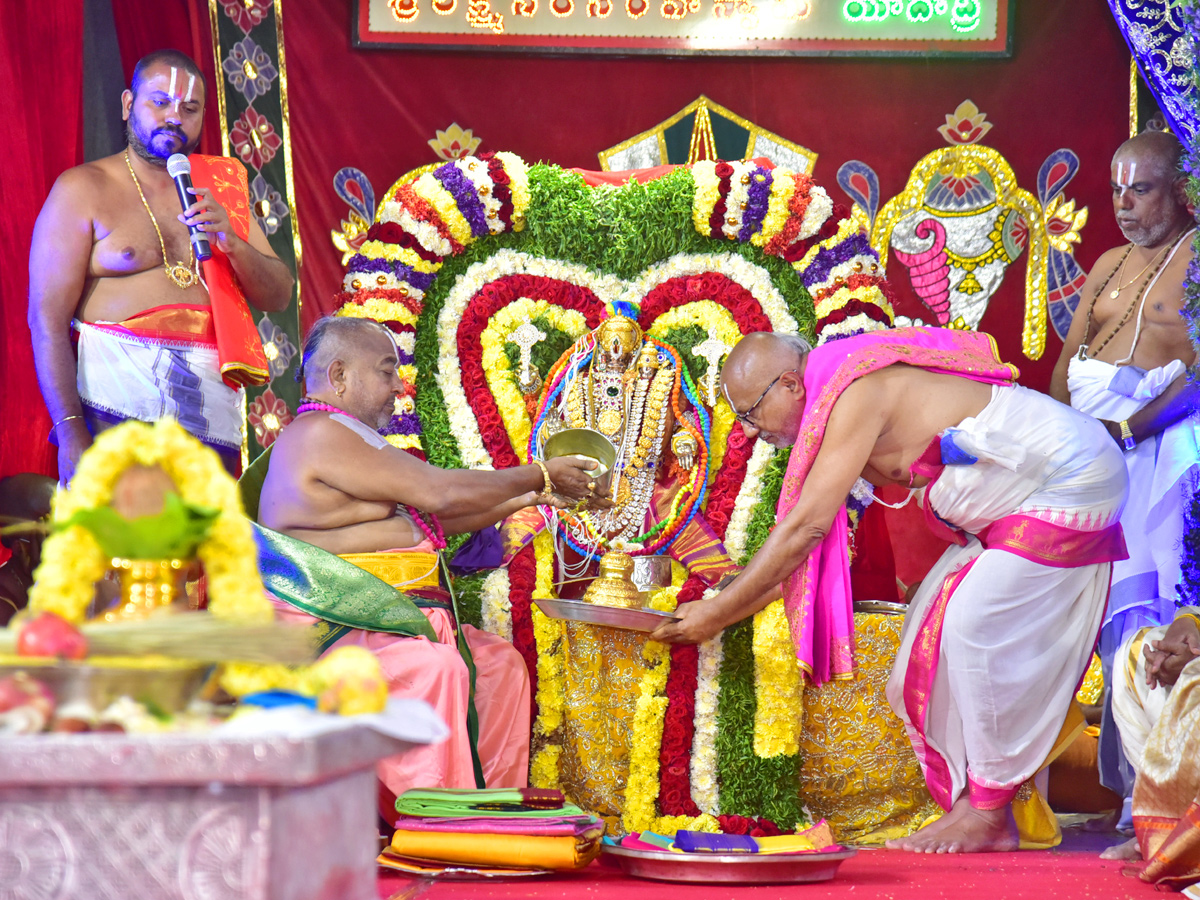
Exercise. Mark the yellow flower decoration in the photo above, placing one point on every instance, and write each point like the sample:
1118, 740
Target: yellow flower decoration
379, 310
349, 681
430, 190
777, 689
641, 789
708, 189
783, 185
72, 561
548, 633
396, 253
509, 400
518, 174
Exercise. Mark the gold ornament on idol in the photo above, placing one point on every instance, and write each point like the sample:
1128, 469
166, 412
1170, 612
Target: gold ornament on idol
182, 275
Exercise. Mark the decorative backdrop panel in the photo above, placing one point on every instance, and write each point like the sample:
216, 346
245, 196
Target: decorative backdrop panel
253, 106
363, 118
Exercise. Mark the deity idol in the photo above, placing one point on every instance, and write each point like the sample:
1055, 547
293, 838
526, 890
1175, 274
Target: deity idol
635, 391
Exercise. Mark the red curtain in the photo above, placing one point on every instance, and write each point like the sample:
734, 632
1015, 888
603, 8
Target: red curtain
41, 130
1065, 86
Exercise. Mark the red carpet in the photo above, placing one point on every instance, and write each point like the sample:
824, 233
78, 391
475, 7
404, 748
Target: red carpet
884, 874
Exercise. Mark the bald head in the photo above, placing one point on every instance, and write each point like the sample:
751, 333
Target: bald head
1149, 196
1160, 149
760, 357
336, 338
764, 383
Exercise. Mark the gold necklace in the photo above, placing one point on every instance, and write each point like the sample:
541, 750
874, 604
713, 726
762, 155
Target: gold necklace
182, 275
1116, 292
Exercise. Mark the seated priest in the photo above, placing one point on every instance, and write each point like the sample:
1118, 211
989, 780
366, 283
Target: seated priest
1147, 670
335, 483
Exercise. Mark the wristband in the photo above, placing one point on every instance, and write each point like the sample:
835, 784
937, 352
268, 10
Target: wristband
1127, 435
1195, 618
548, 488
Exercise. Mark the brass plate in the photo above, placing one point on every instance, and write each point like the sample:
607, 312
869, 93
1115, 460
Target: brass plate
730, 868
614, 617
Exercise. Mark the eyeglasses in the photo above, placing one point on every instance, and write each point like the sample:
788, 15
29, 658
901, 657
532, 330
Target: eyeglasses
744, 417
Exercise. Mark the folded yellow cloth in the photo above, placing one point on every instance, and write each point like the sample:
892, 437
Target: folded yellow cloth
512, 850
784, 843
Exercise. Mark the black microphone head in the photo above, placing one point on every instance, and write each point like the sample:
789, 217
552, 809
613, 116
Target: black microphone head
177, 164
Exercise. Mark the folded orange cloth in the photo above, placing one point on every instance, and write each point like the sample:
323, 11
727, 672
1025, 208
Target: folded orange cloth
512, 850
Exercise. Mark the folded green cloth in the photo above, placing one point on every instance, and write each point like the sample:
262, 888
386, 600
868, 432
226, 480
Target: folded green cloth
530, 803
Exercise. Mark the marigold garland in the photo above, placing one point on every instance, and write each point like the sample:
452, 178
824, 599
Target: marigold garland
72, 561
786, 217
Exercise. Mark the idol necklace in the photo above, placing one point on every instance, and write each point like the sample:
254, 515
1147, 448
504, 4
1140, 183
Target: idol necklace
182, 275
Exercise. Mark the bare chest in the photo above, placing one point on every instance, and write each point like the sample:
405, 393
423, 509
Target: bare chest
127, 240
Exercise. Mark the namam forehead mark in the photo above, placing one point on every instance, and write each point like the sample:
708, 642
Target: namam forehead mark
177, 92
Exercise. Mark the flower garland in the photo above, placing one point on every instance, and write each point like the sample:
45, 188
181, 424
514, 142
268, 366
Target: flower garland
641, 789
72, 561
551, 678
705, 788
469, 419
455, 335
777, 689
496, 606
496, 367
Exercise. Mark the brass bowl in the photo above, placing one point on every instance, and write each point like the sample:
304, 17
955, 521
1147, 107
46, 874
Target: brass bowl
584, 443
170, 687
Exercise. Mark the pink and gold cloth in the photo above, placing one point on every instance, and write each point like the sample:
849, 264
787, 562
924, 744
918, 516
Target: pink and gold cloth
435, 672
817, 595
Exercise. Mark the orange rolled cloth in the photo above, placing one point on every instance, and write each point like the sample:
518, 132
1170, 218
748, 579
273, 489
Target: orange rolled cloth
510, 850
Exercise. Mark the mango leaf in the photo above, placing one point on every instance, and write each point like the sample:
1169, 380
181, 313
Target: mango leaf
174, 533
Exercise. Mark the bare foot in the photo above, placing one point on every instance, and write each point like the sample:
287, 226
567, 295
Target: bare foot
964, 829
1129, 850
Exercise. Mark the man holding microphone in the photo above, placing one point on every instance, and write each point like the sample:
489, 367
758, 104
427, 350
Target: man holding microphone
161, 331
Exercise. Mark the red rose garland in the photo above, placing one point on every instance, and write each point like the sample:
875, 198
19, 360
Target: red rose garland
522, 578
488, 301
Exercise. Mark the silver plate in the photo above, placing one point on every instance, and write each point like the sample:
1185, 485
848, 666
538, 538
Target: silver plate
887, 607
612, 616
170, 688
730, 868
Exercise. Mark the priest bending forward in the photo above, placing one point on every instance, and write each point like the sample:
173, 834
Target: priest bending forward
1001, 630
335, 483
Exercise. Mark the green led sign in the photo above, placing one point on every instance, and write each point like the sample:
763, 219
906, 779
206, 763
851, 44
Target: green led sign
963, 15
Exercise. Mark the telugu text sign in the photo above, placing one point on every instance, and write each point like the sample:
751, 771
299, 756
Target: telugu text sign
799, 27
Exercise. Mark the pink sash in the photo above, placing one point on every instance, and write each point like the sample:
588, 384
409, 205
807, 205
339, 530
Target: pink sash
817, 595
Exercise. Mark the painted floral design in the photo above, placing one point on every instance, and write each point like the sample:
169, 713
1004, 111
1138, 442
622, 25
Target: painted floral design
267, 204
254, 139
246, 13
249, 69
454, 143
276, 345
268, 414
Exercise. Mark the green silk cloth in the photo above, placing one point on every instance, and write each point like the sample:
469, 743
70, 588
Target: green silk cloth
326, 586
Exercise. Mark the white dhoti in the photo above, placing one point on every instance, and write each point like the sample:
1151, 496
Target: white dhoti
1162, 474
1161, 478
1002, 629
127, 372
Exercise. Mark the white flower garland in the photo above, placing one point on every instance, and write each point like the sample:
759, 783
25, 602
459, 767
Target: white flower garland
463, 424
476, 172
733, 266
425, 232
705, 789
496, 605
736, 535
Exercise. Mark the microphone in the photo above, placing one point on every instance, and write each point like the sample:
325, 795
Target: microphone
180, 170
